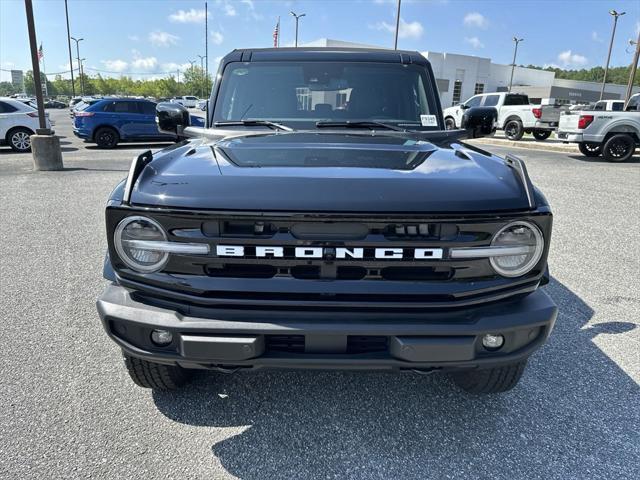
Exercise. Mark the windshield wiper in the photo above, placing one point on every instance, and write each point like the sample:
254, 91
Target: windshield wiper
253, 123
363, 124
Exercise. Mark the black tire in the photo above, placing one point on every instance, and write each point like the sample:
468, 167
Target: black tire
19, 139
590, 149
449, 123
541, 134
513, 130
154, 375
619, 148
106, 137
490, 380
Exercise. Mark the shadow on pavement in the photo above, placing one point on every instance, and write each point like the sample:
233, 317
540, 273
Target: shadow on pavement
132, 146
574, 415
634, 159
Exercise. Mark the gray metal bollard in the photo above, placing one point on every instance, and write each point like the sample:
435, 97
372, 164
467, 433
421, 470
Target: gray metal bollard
46, 152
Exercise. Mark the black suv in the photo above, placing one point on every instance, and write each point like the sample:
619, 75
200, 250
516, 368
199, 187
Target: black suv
324, 218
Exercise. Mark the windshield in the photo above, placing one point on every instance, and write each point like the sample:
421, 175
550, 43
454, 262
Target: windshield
302, 93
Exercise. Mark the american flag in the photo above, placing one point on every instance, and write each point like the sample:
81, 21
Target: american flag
40, 53
276, 34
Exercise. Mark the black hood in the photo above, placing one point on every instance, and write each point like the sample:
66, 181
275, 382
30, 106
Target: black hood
329, 172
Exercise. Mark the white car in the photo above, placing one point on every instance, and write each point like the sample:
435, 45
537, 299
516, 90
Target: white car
18, 121
515, 115
186, 101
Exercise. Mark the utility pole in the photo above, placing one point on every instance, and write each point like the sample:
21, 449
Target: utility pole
615, 16
206, 56
73, 85
632, 73
297, 17
44, 145
78, 40
202, 86
395, 44
513, 65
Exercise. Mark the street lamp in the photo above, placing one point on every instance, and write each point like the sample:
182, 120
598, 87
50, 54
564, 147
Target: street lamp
297, 17
395, 44
202, 84
73, 84
615, 16
513, 65
78, 40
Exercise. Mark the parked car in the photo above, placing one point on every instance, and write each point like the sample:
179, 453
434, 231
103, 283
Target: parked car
54, 104
613, 134
348, 230
186, 101
515, 114
202, 105
110, 121
82, 104
74, 101
18, 121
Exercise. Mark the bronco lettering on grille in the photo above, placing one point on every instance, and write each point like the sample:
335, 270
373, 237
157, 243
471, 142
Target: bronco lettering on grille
323, 252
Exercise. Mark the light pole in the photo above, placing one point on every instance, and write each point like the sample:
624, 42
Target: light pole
73, 84
632, 73
202, 57
297, 17
513, 65
615, 16
395, 44
78, 40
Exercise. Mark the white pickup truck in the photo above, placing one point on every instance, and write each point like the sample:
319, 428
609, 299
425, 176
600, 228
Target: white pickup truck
516, 116
187, 101
612, 134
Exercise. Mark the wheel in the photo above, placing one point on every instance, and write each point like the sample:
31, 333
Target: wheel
490, 380
106, 137
513, 130
619, 148
154, 375
541, 134
590, 149
19, 139
449, 123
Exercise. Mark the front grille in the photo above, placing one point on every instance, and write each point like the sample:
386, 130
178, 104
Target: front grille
328, 281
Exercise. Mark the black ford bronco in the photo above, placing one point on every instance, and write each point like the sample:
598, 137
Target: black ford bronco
324, 218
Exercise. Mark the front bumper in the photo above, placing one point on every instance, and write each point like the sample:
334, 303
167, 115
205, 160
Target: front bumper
229, 339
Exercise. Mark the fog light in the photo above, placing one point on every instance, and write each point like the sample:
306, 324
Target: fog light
161, 337
492, 342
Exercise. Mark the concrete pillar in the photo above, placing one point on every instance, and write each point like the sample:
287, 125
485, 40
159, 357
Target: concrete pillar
46, 152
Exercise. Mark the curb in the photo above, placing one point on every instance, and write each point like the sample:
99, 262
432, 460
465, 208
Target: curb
529, 145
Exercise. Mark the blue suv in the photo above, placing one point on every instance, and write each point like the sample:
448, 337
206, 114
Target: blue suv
113, 120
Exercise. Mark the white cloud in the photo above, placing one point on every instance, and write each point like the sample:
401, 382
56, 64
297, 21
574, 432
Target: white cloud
115, 65
475, 19
133, 38
188, 16
145, 63
217, 38
595, 37
406, 30
474, 42
229, 10
162, 39
638, 27
252, 9
568, 58
172, 66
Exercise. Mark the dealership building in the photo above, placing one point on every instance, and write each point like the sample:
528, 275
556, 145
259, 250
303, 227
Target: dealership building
462, 76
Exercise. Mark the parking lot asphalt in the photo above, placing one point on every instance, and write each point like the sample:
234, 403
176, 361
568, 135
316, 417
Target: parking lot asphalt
69, 409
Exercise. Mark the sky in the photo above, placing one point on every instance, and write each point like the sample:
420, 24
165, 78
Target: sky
148, 38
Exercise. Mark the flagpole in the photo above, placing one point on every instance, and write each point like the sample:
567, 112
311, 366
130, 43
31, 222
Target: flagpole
278, 39
44, 70
206, 55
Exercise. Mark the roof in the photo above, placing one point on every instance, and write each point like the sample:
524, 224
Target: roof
329, 54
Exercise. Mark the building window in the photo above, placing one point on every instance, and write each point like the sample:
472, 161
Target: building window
457, 92
479, 89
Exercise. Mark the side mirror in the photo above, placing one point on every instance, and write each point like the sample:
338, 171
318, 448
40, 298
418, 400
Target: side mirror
172, 118
480, 121
463, 106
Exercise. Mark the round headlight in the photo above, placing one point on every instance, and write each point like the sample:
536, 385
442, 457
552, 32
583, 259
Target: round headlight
524, 238
138, 228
